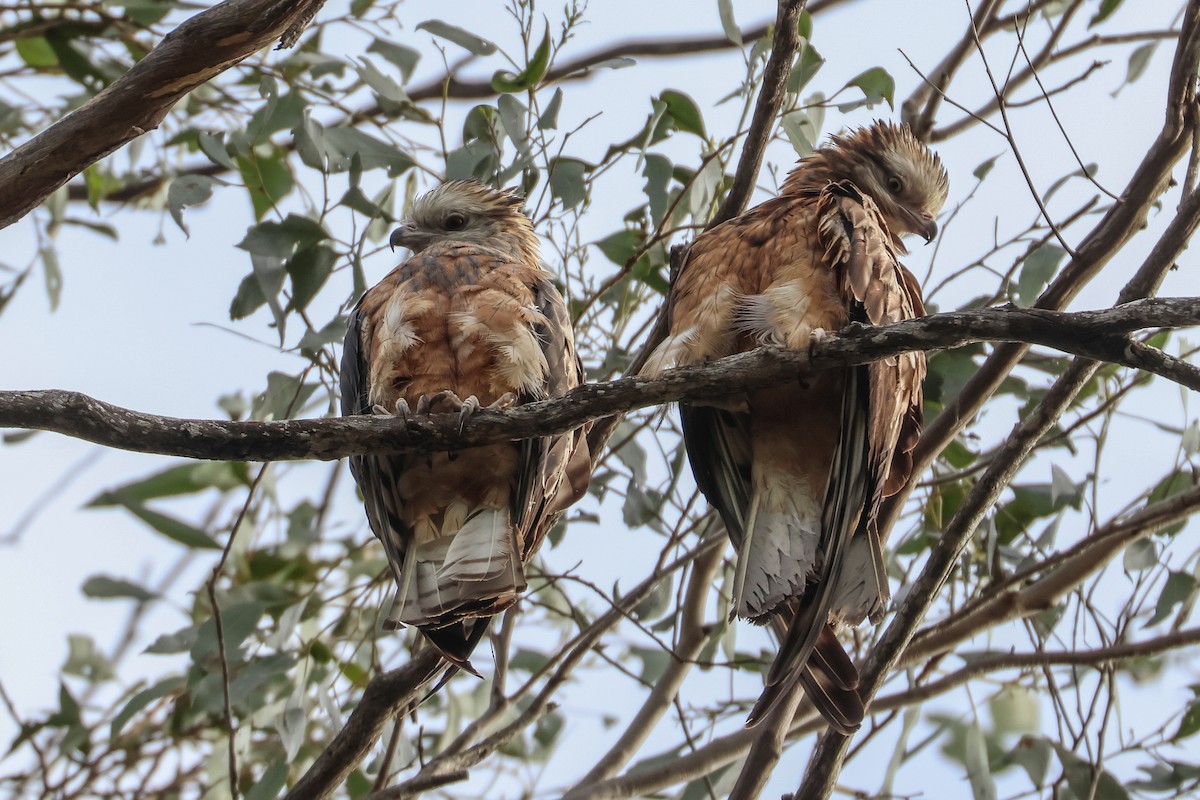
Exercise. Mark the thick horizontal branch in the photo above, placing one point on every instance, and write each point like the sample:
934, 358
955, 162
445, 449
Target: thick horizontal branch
1099, 335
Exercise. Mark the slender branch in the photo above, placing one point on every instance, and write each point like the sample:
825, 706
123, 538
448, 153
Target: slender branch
1060, 574
199, 49
1093, 334
692, 637
766, 111
1122, 221
831, 748
982, 665
383, 695
449, 87
726, 749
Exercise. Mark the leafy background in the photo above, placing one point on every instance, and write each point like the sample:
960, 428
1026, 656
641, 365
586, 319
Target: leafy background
206, 269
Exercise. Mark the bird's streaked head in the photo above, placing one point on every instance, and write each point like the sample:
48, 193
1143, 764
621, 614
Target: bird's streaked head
469, 211
886, 161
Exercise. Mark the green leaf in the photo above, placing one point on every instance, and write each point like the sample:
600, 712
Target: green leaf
981, 172
567, 181
141, 700
620, 247
270, 784
1088, 170
1178, 589
36, 52
1107, 7
237, 622
213, 146
1168, 487
658, 602
548, 121
282, 239
535, 70
53, 275
386, 89
175, 481
1015, 709
85, 660
279, 113
187, 190
284, 397
309, 268
684, 111
404, 58
344, 143
174, 529
102, 586
463, 38
1189, 724
1139, 59
1080, 776
1039, 268
1033, 755
979, 773
654, 662
728, 24
807, 65
876, 84
268, 179
1140, 556
804, 25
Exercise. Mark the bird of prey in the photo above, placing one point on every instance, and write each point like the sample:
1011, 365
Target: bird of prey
472, 314
797, 472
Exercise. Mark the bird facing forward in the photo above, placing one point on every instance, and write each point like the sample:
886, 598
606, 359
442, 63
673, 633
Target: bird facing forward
471, 315
797, 472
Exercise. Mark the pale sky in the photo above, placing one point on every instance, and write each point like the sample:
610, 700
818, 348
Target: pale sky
145, 325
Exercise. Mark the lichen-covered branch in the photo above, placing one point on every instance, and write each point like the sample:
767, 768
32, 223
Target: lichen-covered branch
1099, 335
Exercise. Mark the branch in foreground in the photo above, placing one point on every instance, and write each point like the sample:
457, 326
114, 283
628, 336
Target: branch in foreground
199, 49
658, 772
383, 695
1098, 335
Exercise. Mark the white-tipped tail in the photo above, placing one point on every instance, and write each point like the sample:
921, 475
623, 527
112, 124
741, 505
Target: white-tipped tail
780, 557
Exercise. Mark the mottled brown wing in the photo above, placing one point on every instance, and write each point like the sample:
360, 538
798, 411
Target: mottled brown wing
555, 469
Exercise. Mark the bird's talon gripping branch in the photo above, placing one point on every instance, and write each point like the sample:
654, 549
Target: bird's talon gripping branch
459, 525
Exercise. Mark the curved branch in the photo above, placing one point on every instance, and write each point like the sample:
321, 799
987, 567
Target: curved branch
1095, 335
452, 88
725, 749
384, 695
692, 637
1122, 221
199, 49
1060, 574
766, 111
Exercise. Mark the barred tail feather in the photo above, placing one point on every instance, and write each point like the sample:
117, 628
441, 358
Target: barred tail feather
481, 550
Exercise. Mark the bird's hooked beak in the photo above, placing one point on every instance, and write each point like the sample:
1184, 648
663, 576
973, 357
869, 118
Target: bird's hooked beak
410, 236
923, 224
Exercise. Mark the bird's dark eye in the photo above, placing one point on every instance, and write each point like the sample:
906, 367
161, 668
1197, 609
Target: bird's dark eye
895, 185
455, 222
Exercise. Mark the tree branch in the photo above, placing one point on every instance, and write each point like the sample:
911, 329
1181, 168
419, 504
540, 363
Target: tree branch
692, 636
1122, 221
452, 88
766, 110
199, 49
382, 697
1060, 573
1095, 335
